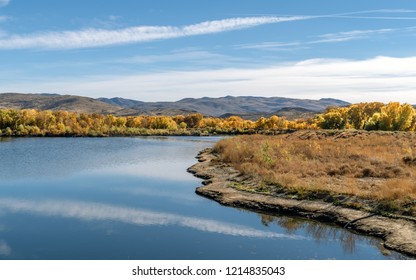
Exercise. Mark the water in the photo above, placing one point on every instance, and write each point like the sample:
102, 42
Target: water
131, 198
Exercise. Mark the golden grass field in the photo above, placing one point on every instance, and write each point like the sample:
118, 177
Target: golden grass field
379, 166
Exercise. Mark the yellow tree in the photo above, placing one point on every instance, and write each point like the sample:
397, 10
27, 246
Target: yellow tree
355, 116
405, 117
334, 119
235, 122
260, 123
29, 117
396, 117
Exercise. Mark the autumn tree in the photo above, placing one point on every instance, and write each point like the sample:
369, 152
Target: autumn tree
333, 119
193, 120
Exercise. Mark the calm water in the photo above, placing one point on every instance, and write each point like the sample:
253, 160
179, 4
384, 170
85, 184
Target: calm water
131, 198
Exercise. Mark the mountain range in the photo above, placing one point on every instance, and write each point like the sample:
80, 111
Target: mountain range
249, 107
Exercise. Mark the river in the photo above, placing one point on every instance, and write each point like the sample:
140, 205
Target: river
131, 198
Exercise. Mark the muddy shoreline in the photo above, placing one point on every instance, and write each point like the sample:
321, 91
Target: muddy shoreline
398, 234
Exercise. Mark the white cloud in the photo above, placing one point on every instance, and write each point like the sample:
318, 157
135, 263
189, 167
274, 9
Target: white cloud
88, 211
89, 38
350, 35
378, 79
4, 3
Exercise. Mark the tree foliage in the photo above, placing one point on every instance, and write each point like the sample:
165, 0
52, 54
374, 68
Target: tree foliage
370, 116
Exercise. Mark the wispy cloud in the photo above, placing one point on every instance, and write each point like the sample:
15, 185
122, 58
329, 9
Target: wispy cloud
393, 11
377, 17
186, 57
383, 14
89, 38
192, 55
382, 11
4, 3
327, 38
350, 35
269, 45
98, 37
386, 14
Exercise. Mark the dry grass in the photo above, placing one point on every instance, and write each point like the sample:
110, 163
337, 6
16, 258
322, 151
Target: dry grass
377, 166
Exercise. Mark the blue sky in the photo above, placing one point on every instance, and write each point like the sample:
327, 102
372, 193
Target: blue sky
167, 50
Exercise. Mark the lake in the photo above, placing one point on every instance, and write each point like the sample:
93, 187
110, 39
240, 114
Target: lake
131, 198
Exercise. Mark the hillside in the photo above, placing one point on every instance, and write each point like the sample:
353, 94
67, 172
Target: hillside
248, 107
56, 102
290, 113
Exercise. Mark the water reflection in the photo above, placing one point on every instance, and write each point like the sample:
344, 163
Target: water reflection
162, 193
5, 249
141, 156
324, 233
171, 170
119, 198
98, 211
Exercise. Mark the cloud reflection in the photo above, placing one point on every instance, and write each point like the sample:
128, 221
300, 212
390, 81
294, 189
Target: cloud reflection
5, 249
172, 195
97, 211
172, 170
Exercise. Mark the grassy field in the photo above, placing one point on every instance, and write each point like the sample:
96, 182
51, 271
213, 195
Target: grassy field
378, 169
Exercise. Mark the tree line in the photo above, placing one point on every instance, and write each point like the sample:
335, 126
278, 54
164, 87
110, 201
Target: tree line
30, 122
369, 116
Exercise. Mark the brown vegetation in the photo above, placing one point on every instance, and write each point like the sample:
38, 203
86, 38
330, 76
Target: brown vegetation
376, 166
227, 186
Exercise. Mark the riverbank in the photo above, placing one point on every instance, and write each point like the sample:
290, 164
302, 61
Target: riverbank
225, 185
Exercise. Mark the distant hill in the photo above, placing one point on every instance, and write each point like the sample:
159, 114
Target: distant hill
56, 102
249, 107
290, 113
230, 105
122, 102
164, 111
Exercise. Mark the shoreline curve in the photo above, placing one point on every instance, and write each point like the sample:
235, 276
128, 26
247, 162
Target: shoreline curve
397, 233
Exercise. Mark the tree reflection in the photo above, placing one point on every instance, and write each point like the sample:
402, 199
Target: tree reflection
324, 233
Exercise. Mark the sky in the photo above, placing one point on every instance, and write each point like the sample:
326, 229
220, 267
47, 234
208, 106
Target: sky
161, 50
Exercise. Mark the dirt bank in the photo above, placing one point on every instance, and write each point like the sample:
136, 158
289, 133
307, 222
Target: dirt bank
398, 233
